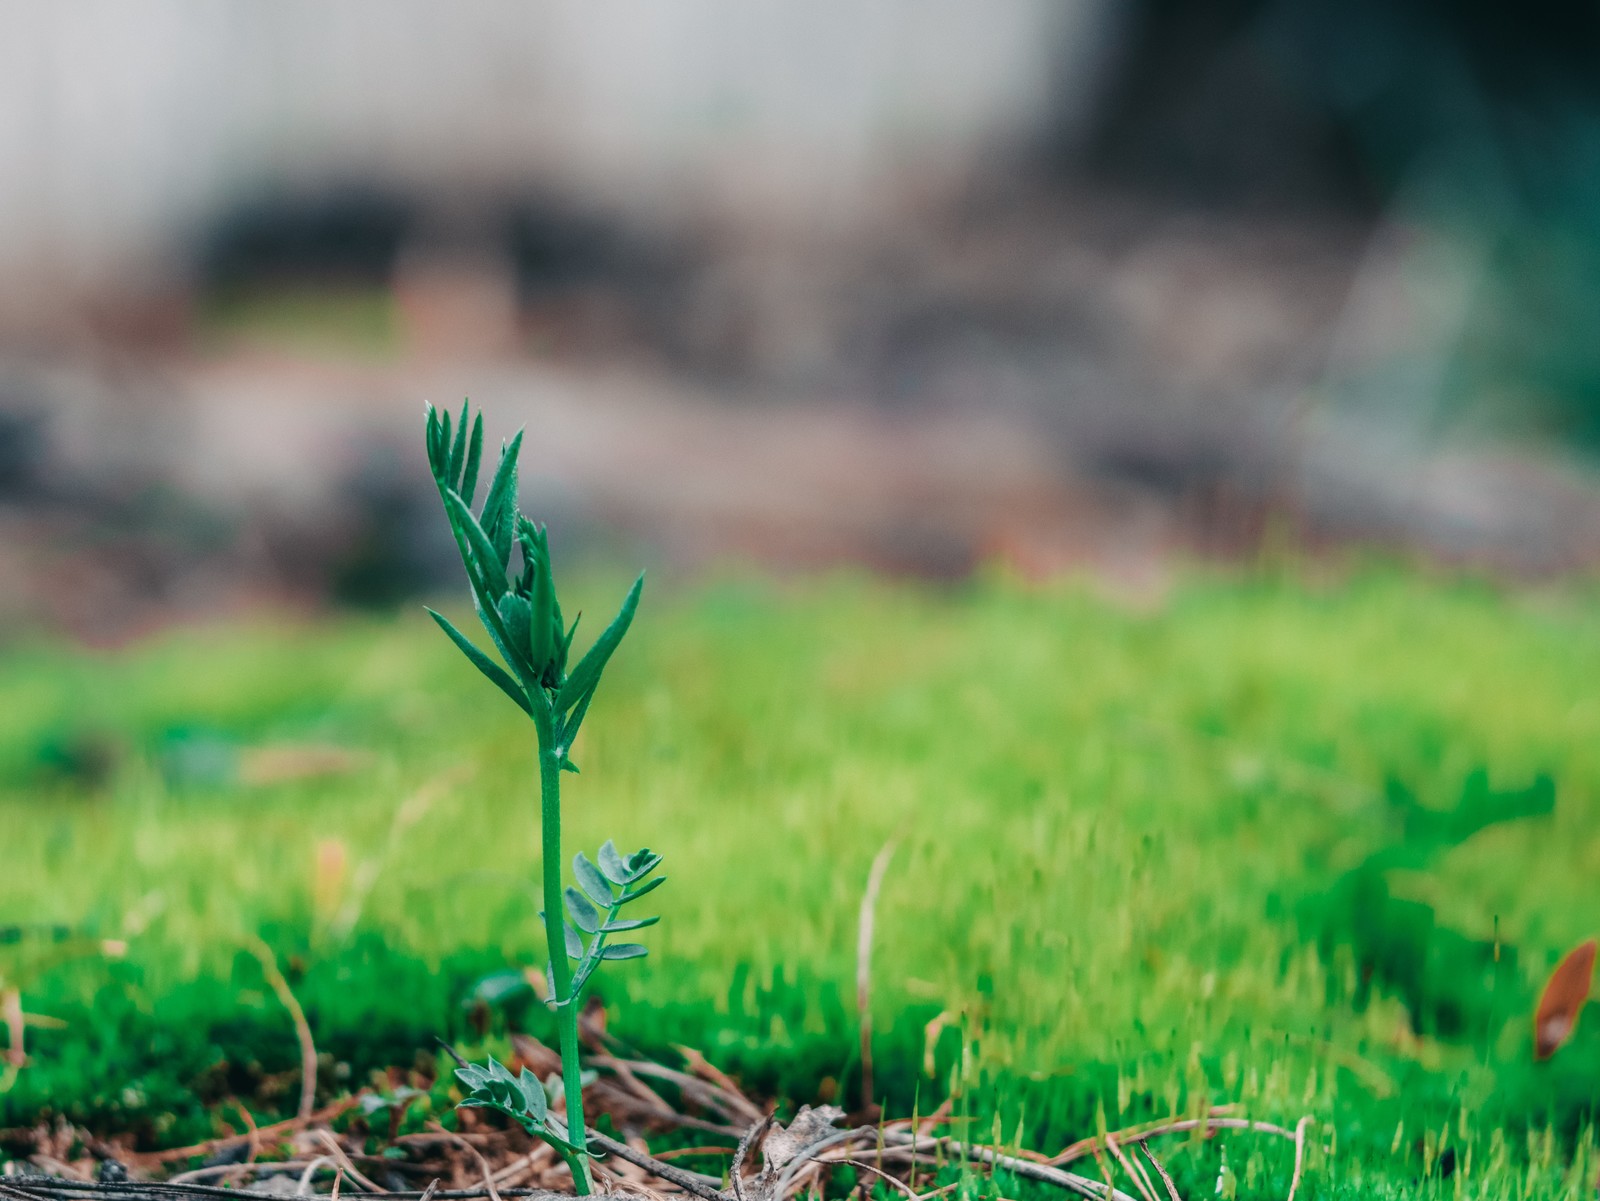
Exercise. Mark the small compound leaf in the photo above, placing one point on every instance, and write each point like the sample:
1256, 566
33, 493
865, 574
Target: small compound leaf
631, 923
483, 663
611, 863
534, 1100
583, 913
574, 943
587, 673
1563, 999
591, 880
641, 864
633, 894
624, 950
473, 1076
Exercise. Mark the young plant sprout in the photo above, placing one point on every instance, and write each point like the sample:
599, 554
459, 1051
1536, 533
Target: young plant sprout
524, 621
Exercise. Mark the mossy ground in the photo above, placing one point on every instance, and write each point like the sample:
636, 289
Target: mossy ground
1120, 829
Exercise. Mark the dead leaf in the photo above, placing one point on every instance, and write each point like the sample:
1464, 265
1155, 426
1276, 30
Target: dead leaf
1563, 999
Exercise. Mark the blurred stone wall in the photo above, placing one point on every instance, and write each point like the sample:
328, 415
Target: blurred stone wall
125, 128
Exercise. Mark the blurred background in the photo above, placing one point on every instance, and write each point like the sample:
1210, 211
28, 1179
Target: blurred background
917, 286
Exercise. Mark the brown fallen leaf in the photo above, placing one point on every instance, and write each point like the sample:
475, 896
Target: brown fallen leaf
1563, 999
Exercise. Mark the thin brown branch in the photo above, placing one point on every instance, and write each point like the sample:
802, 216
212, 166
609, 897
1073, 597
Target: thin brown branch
736, 1171
483, 1164
1135, 1173
302, 1028
1172, 1189
212, 1146
1089, 1146
868, 915
704, 1187
349, 1168
1299, 1154
1028, 1170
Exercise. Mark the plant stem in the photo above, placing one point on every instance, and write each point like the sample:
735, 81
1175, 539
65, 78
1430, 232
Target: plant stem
556, 936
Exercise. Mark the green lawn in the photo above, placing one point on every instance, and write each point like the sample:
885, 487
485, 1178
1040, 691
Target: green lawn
1129, 839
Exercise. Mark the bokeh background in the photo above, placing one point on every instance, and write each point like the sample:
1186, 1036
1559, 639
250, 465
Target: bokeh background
1089, 286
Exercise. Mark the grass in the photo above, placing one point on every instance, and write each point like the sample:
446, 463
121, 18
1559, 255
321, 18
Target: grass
1120, 831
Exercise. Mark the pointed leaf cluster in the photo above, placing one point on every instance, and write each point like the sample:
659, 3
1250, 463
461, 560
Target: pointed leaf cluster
521, 614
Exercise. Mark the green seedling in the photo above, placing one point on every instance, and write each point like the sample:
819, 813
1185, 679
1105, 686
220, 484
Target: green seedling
523, 618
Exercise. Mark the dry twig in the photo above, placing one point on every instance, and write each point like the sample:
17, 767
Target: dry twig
1172, 1189
1299, 1154
302, 1028
869, 907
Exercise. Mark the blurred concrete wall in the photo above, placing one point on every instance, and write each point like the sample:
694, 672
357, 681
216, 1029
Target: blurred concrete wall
123, 127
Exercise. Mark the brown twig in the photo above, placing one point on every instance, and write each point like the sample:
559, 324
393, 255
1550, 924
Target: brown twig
1172, 1189
736, 1171
704, 1187
1089, 1146
488, 1176
869, 906
894, 1180
1135, 1173
1299, 1153
1028, 1170
344, 1162
302, 1028
212, 1146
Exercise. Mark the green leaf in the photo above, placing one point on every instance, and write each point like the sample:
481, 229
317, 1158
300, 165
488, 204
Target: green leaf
593, 882
469, 475
484, 664
566, 640
485, 560
587, 673
611, 863
583, 913
635, 923
574, 720
472, 1076
574, 943
624, 950
568, 765
458, 448
442, 470
435, 452
641, 863
633, 894
516, 613
500, 503
541, 627
533, 1096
